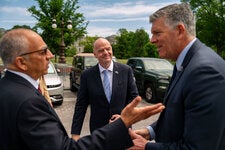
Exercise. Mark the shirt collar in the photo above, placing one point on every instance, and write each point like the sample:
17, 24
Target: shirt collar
182, 55
25, 76
110, 68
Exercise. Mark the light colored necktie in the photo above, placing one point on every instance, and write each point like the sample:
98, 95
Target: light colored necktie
106, 84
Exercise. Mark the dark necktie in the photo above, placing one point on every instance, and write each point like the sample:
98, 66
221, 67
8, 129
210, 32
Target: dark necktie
173, 76
39, 89
174, 73
106, 84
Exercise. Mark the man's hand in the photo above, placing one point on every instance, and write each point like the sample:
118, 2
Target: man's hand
132, 114
143, 132
114, 117
139, 141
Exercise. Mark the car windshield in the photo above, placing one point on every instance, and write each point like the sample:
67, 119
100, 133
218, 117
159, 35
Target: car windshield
157, 65
51, 69
90, 61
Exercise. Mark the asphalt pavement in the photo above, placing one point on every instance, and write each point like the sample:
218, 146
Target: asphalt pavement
66, 110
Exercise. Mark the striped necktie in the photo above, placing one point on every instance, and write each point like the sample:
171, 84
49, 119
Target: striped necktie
106, 84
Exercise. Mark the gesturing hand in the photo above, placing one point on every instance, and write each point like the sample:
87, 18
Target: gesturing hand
132, 114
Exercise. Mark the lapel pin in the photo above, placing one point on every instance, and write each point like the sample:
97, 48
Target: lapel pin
180, 68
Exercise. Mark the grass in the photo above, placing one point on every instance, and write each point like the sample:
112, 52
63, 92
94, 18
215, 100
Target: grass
68, 60
122, 61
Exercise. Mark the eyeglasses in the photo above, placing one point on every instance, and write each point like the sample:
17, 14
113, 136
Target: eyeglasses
42, 52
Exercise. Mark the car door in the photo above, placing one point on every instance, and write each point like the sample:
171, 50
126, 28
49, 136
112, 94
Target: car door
139, 74
79, 66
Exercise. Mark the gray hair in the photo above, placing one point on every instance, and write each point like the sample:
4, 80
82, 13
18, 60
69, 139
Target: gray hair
12, 44
175, 14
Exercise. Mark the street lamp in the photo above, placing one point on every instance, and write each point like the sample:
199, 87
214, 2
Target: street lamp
62, 46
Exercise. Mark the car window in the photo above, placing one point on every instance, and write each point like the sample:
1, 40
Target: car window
157, 65
139, 64
90, 61
131, 63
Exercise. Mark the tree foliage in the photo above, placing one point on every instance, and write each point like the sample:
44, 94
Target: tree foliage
62, 11
88, 44
23, 26
210, 22
133, 44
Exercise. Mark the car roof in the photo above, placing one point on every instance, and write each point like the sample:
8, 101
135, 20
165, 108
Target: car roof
84, 54
143, 58
90, 54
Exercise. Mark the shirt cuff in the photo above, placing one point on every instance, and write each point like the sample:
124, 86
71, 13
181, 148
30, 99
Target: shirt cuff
152, 132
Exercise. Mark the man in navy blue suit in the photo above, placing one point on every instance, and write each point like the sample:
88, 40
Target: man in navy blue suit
122, 90
194, 118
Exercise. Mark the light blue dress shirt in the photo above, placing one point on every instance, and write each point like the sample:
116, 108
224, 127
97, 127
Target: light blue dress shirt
110, 73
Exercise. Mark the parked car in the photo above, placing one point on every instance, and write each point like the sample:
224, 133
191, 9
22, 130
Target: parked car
81, 62
54, 84
152, 77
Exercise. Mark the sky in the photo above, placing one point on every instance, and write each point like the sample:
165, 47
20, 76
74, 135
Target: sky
105, 17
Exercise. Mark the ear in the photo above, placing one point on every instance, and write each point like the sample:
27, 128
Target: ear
21, 63
95, 54
181, 29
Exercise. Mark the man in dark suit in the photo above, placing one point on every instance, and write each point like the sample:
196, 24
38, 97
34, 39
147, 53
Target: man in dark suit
194, 118
122, 90
28, 122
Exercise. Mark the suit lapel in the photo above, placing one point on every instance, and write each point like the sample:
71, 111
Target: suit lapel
116, 78
176, 79
180, 71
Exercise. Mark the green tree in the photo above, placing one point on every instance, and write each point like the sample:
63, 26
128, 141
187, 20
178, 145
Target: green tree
131, 44
124, 45
139, 41
62, 11
210, 16
23, 26
71, 51
88, 43
151, 50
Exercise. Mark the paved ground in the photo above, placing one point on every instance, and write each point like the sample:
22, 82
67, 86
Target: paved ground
66, 110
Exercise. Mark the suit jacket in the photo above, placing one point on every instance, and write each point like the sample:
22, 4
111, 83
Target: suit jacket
28, 122
92, 92
194, 117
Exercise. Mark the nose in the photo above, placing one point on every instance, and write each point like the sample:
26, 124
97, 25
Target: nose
105, 50
152, 40
49, 54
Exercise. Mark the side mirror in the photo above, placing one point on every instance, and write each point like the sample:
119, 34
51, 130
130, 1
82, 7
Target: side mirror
139, 68
58, 70
79, 65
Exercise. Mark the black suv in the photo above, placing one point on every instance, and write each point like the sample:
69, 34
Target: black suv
152, 76
80, 62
